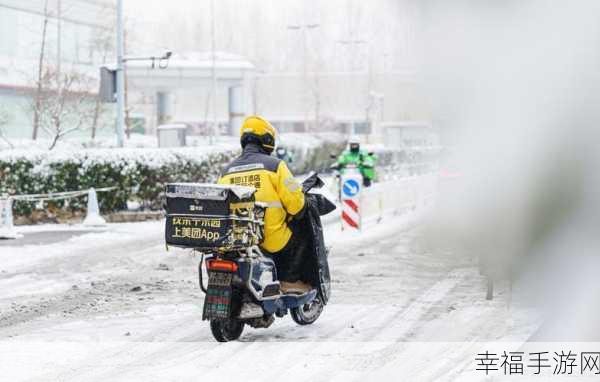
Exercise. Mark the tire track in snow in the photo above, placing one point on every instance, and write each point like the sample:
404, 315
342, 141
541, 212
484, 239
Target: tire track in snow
70, 300
404, 321
124, 360
399, 325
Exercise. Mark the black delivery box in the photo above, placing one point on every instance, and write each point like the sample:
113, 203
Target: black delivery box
212, 216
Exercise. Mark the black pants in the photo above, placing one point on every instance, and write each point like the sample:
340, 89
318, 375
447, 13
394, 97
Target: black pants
290, 260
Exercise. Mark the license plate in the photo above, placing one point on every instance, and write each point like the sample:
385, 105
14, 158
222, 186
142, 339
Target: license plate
217, 303
219, 279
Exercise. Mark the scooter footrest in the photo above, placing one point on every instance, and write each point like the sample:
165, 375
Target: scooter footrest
271, 290
294, 301
251, 310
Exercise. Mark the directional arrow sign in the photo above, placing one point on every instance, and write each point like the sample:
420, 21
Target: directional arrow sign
350, 188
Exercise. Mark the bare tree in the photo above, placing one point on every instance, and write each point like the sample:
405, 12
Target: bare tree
67, 105
4, 118
97, 112
39, 89
102, 46
316, 92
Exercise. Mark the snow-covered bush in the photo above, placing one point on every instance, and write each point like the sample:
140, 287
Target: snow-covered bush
138, 173
312, 152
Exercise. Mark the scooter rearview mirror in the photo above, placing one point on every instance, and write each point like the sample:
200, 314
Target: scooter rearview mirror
312, 181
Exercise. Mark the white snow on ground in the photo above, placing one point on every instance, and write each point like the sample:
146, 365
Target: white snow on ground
36, 228
117, 306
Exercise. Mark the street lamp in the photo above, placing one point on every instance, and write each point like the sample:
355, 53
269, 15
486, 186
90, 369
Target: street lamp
163, 62
120, 77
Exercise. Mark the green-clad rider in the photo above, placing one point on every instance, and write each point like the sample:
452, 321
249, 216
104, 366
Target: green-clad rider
355, 157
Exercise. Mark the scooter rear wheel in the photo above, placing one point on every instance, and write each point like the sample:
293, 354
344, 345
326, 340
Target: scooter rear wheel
226, 330
308, 313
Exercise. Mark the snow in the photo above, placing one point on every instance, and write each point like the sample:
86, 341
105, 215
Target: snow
115, 305
139, 149
208, 191
7, 229
30, 255
200, 60
135, 141
153, 158
93, 218
140, 141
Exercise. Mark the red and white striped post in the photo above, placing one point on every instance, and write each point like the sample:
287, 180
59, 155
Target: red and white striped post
351, 184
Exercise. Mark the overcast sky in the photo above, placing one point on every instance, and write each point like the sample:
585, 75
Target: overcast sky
258, 29
152, 9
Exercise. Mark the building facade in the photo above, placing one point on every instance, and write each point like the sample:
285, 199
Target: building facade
341, 65
78, 37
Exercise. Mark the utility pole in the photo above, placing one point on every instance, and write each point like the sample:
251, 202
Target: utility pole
163, 62
126, 89
304, 29
40, 72
120, 77
213, 125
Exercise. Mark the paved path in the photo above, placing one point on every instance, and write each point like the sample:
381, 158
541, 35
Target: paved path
43, 237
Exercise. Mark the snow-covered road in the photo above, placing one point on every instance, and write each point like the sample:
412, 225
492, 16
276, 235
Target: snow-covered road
116, 305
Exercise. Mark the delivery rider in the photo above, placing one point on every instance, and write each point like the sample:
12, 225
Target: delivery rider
282, 194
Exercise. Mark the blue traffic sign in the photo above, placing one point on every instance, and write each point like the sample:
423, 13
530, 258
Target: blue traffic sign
350, 188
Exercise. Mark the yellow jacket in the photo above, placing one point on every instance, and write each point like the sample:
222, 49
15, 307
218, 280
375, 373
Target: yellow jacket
275, 186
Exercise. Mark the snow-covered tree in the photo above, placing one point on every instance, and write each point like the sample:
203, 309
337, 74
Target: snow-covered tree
4, 119
67, 104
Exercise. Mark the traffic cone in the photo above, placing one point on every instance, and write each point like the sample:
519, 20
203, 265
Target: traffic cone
93, 218
7, 229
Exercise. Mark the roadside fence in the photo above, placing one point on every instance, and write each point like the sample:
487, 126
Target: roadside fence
92, 219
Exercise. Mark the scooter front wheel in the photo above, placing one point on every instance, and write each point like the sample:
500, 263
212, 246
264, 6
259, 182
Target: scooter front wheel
307, 313
226, 330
